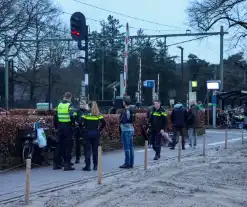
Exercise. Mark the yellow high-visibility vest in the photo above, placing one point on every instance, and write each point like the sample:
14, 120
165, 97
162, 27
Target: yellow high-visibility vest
63, 112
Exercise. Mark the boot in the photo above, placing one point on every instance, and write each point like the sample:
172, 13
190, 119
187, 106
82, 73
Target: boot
77, 161
57, 167
86, 168
95, 167
156, 157
68, 168
124, 166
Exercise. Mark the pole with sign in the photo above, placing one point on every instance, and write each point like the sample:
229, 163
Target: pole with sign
192, 95
214, 85
150, 84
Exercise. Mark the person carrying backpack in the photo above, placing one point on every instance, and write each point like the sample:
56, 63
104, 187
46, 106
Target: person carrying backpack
192, 123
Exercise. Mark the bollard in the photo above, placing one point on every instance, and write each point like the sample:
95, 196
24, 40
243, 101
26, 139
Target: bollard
179, 148
146, 156
28, 174
242, 136
226, 138
204, 145
99, 165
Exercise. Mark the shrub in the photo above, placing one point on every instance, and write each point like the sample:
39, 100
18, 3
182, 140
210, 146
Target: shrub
24, 119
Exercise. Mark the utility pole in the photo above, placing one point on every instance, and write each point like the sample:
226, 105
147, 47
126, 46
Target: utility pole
221, 58
158, 86
49, 88
6, 73
102, 74
140, 81
182, 62
102, 66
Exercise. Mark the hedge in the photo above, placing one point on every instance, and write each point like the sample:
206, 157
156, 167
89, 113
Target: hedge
9, 126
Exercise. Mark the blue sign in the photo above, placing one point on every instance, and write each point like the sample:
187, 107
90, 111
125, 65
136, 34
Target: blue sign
148, 84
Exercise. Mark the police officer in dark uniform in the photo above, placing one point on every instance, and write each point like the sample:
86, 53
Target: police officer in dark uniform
79, 133
64, 117
92, 124
158, 121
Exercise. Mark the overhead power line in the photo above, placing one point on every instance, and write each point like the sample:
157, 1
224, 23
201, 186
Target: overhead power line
128, 16
133, 27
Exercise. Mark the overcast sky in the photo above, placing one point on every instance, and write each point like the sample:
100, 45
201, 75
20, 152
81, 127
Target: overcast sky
172, 14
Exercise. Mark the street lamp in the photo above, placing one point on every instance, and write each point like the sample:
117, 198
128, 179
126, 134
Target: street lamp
182, 61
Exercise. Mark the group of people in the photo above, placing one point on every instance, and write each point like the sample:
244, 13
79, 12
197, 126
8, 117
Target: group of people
72, 123
86, 124
181, 119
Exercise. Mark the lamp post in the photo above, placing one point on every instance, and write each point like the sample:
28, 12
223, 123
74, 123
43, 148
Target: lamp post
182, 62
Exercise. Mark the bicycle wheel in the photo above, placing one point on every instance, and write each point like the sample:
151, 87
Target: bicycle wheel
27, 151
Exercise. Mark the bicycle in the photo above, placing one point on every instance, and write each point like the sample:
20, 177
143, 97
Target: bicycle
30, 140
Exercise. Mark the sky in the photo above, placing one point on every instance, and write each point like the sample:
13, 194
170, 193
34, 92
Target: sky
168, 18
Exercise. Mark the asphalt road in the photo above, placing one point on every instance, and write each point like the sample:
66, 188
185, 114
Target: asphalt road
12, 183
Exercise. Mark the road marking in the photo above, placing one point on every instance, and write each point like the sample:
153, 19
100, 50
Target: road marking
222, 142
143, 150
222, 132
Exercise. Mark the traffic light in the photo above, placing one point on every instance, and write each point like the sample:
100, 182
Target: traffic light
78, 26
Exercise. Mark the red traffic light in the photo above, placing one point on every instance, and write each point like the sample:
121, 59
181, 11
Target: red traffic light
75, 33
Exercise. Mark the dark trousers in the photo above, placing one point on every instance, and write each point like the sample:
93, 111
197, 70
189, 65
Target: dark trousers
91, 143
156, 142
64, 147
78, 143
178, 131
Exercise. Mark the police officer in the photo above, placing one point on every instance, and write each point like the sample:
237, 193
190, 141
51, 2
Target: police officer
92, 123
65, 120
158, 121
79, 133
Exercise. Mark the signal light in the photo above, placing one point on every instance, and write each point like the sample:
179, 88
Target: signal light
75, 33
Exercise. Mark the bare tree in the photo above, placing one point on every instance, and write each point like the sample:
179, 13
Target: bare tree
18, 20
203, 15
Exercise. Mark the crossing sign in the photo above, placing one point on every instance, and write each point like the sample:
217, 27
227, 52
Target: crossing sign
148, 83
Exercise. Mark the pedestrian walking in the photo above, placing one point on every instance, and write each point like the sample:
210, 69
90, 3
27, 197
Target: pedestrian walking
178, 119
79, 130
127, 133
192, 123
64, 120
92, 124
158, 122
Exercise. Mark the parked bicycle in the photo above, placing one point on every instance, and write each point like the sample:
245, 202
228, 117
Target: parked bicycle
30, 140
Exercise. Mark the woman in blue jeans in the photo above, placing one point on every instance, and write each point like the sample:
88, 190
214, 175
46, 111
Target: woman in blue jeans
127, 134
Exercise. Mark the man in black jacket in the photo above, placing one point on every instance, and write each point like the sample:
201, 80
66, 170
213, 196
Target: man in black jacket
158, 122
178, 119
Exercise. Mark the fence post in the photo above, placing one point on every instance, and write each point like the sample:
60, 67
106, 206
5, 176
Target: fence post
99, 165
28, 175
146, 156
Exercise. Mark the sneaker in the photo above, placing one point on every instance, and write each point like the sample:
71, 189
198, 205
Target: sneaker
57, 167
68, 168
156, 157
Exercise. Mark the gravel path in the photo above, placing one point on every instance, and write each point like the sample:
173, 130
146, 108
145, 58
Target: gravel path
219, 179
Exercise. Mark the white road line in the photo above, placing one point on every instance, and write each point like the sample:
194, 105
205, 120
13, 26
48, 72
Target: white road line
229, 140
223, 132
144, 150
